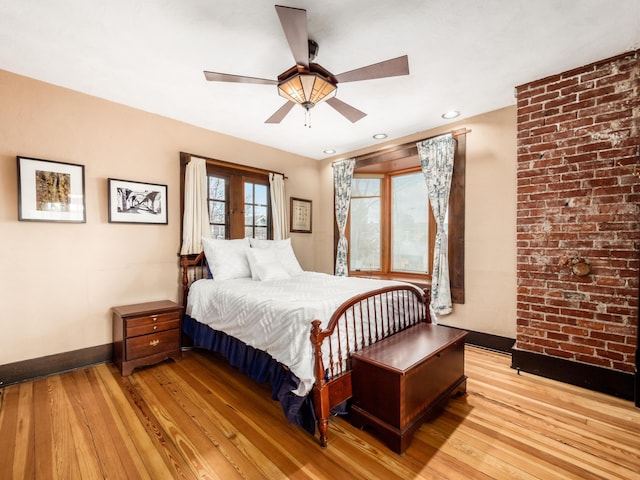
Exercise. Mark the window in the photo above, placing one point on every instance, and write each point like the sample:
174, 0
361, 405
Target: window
410, 214
388, 231
365, 232
238, 198
397, 242
239, 206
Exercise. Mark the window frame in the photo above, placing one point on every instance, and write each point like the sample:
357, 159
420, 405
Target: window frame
386, 201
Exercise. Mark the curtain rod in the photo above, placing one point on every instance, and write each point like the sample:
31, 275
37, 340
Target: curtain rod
454, 133
238, 166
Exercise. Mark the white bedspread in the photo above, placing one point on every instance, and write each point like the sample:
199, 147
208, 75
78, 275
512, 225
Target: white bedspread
275, 316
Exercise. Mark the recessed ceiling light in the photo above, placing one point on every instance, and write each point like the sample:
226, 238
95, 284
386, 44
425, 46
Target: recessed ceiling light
329, 151
380, 136
451, 114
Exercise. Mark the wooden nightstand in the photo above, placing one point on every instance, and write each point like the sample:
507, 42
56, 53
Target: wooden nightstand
145, 334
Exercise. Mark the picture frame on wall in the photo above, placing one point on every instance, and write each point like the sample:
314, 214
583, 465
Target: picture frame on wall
300, 215
137, 202
50, 191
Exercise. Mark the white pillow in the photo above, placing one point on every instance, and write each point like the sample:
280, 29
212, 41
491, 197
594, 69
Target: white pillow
284, 253
265, 265
227, 259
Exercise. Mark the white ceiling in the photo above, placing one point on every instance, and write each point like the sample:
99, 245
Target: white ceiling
463, 54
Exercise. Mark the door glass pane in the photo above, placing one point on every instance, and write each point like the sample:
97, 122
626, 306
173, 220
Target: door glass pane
218, 231
248, 215
260, 194
216, 212
261, 233
365, 234
218, 205
261, 216
256, 210
409, 223
216, 188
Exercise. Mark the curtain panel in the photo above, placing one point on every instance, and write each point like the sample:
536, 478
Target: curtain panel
342, 177
436, 159
195, 219
278, 206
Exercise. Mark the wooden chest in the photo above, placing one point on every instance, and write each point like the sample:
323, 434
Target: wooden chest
402, 380
145, 334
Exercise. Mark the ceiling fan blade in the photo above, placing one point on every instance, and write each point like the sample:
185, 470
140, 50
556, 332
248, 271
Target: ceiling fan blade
389, 68
280, 113
350, 113
226, 77
294, 25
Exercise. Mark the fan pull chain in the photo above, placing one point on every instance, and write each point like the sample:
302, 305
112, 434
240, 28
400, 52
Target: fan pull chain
307, 118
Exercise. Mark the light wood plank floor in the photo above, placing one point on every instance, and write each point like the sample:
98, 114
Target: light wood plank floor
199, 418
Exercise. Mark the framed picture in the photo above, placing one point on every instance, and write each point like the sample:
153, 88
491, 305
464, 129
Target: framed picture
137, 202
300, 215
50, 191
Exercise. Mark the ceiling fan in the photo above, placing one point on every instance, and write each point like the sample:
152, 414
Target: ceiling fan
308, 83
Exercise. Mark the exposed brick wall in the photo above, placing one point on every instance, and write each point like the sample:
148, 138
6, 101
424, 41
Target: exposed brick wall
578, 148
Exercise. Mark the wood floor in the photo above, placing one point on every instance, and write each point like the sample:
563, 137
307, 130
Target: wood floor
199, 418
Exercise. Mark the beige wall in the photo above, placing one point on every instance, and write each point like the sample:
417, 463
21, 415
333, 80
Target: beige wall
490, 222
59, 280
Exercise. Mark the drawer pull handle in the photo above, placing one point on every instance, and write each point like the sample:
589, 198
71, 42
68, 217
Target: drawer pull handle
154, 343
154, 318
155, 327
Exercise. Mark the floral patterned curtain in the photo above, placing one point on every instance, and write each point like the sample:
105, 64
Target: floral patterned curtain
436, 159
342, 176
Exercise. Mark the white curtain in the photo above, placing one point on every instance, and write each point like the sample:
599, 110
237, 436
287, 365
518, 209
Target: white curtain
278, 206
436, 159
342, 176
195, 220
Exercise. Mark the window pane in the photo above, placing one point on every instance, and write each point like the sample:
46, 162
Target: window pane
216, 188
260, 194
248, 192
365, 234
261, 216
248, 232
248, 214
216, 212
218, 231
409, 223
365, 187
261, 233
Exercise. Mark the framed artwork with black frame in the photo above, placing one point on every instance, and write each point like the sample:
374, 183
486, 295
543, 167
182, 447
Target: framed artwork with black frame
137, 202
300, 215
50, 191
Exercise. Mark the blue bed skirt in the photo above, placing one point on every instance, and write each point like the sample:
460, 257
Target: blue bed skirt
258, 365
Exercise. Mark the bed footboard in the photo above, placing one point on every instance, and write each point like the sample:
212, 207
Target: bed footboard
360, 321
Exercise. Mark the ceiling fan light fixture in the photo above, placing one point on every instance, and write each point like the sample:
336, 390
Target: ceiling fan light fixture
306, 89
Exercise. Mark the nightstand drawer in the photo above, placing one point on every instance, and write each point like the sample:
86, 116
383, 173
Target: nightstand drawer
143, 326
144, 346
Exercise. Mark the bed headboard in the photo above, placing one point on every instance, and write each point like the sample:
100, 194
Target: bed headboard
194, 267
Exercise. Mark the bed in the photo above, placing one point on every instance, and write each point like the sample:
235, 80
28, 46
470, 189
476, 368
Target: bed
293, 329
